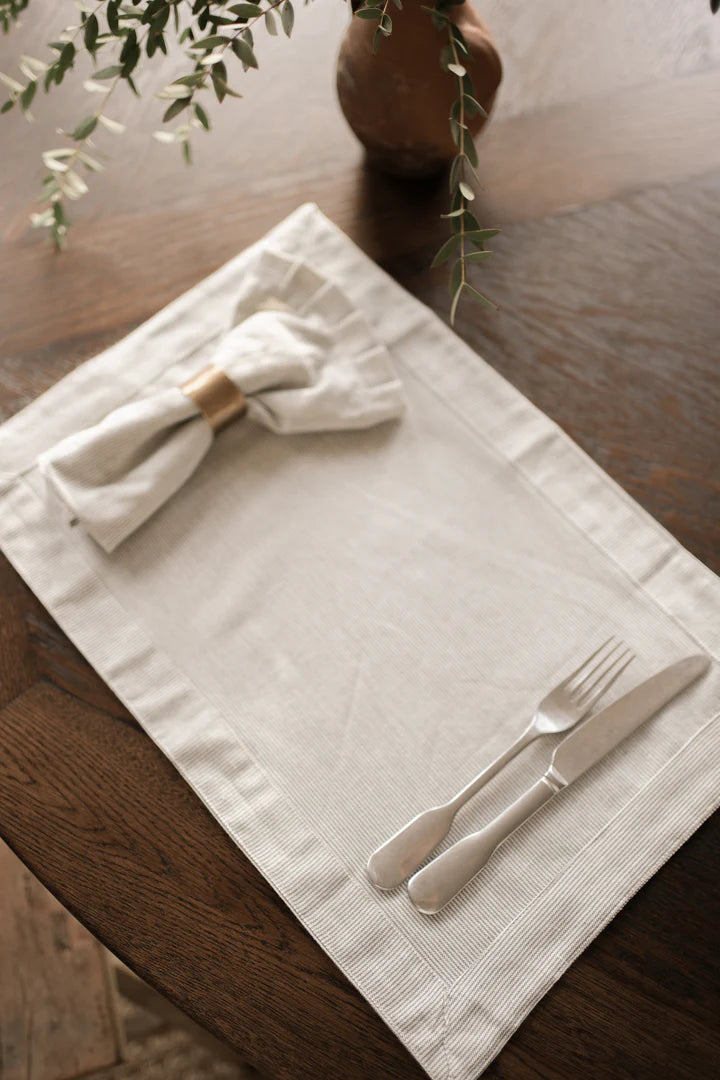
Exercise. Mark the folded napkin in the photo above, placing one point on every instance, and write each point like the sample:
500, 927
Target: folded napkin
328, 634
317, 368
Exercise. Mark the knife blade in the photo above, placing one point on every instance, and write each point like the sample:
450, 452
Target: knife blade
441, 880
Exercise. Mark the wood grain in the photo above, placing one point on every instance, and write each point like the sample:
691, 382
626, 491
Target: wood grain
608, 321
251, 975
58, 1014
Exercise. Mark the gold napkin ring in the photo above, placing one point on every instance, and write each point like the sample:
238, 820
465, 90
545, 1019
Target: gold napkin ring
216, 396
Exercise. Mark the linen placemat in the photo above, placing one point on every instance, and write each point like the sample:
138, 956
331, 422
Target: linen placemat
329, 632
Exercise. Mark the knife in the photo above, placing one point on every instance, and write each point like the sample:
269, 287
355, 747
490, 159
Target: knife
437, 883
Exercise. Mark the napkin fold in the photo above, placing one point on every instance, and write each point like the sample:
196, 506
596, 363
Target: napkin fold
302, 356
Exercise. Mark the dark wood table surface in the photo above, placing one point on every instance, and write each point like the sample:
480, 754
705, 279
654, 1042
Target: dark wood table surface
606, 274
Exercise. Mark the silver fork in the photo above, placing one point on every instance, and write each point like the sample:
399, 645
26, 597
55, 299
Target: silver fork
560, 710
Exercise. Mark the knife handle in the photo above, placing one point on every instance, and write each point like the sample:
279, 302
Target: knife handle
437, 883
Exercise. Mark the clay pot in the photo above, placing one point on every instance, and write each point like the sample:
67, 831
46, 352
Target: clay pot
398, 101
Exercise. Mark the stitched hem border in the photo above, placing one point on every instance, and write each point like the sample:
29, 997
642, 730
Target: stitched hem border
523, 962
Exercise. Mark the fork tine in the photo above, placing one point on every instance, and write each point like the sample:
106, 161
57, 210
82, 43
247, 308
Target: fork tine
600, 664
604, 680
588, 705
573, 675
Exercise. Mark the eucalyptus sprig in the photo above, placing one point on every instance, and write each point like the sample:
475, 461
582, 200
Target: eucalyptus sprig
122, 35
467, 239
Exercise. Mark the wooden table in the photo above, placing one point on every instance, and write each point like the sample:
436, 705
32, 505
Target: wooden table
607, 278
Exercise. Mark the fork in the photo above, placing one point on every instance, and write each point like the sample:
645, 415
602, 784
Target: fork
561, 709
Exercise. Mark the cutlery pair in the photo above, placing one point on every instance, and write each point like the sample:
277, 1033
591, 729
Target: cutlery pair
563, 708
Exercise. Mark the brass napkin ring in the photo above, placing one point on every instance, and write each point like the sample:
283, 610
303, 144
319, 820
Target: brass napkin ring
216, 396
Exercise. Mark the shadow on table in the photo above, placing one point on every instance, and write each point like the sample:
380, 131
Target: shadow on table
398, 220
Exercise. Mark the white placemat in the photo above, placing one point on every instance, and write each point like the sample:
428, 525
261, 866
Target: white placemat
327, 633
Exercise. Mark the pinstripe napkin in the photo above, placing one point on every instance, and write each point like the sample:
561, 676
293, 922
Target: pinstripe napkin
374, 615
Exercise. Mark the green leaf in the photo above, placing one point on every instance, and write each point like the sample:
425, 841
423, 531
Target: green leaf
446, 250
112, 125
470, 151
287, 17
108, 72
66, 57
457, 69
90, 33
28, 94
456, 277
210, 59
479, 236
246, 11
159, 20
368, 13
130, 53
460, 43
90, 163
244, 52
13, 85
189, 80
202, 116
32, 68
477, 256
187, 154
455, 172
465, 222
454, 213
446, 56
211, 42
479, 297
455, 302
174, 90
270, 24
174, 108
112, 16
84, 128
466, 191
218, 74
439, 18
473, 106
7, 106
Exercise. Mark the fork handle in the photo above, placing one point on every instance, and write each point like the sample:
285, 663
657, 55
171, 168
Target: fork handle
436, 884
479, 781
405, 851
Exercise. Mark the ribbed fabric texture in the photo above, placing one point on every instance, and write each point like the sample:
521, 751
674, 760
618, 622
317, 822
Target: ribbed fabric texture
328, 633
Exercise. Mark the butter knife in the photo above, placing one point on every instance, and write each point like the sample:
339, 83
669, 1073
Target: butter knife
441, 880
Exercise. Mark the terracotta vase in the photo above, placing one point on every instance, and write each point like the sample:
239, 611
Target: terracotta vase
398, 101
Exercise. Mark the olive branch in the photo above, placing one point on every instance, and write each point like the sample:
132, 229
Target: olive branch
130, 32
